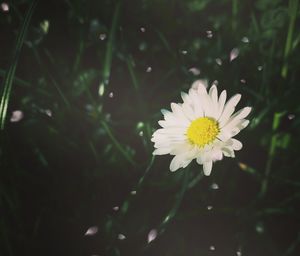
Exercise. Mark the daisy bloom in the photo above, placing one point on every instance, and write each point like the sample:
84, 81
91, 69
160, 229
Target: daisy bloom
201, 128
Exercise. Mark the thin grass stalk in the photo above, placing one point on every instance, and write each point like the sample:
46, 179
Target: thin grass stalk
108, 130
293, 9
116, 142
272, 149
109, 51
141, 104
126, 204
234, 14
16, 80
79, 54
53, 81
9, 77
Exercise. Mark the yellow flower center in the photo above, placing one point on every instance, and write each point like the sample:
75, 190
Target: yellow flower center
203, 131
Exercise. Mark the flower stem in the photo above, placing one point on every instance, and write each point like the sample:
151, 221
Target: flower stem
126, 203
173, 211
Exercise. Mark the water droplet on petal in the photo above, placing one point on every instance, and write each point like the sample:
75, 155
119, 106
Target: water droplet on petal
116, 208
209, 207
143, 29
111, 95
133, 192
184, 52
245, 40
291, 116
91, 231
243, 81
212, 248
152, 235
195, 71
259, 68
219, 61
16, 116
5, 7
121, 237
102, 36
149, 69
141, 133
209, 34
214, 186
234, 54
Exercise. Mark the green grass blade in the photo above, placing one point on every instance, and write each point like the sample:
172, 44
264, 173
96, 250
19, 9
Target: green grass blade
17, 80
9, 77
117, 144
109, 51
293, 11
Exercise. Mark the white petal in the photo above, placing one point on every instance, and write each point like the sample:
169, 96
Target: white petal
185, 97
207, 167
201, 89
236, 144
189, 112
213, 93
171, 131
161, 151
234, 119
181, 148
201, 82
183, 159
217, 155
176, 163
240, 126
243, 124
199, 160
222, 100
229, 109
165, 111
177, 110
206, 101
228, 152
196, 103
171, 123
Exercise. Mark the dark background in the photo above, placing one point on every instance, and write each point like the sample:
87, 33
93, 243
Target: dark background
75, 154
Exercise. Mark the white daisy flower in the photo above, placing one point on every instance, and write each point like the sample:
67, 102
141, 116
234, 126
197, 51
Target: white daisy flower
201, 128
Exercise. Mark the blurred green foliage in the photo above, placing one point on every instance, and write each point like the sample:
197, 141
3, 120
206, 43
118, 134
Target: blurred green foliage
90, 81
